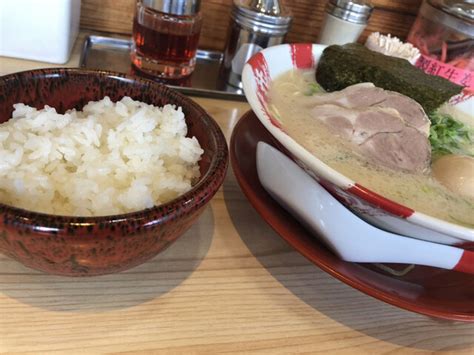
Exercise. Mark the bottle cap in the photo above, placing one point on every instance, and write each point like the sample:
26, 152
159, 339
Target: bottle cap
267, 17
174, 7
356, 11
456, 14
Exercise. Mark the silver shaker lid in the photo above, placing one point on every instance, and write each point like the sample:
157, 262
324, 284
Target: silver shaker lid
463, 9
174, 7
264, 16
356, 11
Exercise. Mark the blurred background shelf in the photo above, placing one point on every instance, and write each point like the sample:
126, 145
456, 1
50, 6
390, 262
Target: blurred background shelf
115, 16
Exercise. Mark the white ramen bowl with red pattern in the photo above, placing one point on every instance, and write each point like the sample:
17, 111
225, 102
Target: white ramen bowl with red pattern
257, 76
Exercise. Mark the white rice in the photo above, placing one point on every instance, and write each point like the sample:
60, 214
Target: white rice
107, 159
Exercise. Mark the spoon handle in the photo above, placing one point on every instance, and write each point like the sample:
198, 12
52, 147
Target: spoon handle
351, 238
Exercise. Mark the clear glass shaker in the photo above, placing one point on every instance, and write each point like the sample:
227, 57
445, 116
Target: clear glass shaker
254, 25
165, 37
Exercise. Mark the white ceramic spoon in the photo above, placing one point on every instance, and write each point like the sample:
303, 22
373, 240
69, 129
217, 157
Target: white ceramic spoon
351, 238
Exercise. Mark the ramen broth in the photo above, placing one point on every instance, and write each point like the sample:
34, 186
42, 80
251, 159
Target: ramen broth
290, 97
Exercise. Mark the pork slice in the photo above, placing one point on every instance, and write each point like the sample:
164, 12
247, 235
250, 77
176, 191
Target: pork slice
339, 120
408, 150
410, 110
374, 120
357, 125
378, 133
363, 94
366, 95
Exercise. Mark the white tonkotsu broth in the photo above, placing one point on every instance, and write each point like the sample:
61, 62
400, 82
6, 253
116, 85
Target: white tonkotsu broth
107, 159
420, 192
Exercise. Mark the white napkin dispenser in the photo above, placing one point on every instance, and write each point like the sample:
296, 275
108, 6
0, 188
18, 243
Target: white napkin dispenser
39, 30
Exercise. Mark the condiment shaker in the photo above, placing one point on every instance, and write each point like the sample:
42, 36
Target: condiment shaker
255, 25
344, 21
165, 37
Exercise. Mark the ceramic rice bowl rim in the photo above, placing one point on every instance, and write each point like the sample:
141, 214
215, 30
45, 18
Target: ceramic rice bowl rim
201, 192
257, 75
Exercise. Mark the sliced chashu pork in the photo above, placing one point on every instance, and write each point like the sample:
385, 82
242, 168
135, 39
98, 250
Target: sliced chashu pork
368, 95
386, 127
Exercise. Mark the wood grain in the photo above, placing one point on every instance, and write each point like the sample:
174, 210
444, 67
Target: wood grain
219, 289
395, 17
229, 285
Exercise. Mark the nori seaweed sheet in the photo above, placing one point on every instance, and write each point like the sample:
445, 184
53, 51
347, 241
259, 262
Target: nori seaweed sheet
353, 63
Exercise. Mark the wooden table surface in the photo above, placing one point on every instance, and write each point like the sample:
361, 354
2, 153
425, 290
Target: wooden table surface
230, 284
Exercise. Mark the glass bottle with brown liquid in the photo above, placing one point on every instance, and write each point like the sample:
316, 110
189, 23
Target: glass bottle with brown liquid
165, 37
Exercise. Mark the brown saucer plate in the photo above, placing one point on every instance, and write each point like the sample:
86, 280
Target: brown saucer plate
425, 290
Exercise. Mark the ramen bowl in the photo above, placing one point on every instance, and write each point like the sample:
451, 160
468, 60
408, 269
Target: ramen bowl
259, 73
82, 246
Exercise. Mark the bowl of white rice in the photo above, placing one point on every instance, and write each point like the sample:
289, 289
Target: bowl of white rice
100, 171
